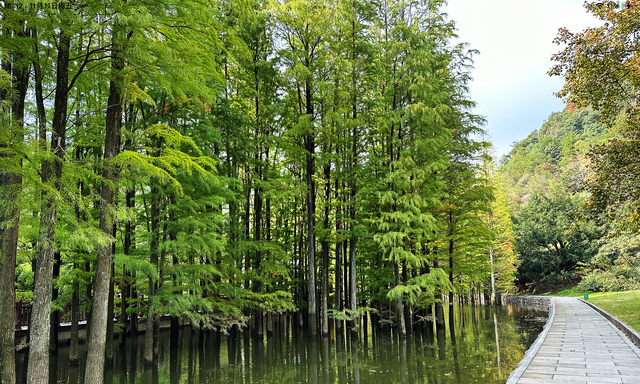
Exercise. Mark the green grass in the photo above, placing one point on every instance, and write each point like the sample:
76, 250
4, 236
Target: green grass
623, 305
571, 292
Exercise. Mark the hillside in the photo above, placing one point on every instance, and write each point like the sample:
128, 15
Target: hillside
540, 174
553, 156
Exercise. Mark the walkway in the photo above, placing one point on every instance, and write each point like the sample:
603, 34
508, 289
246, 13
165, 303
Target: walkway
581, 346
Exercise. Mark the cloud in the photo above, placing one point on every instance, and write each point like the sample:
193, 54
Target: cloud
515, 40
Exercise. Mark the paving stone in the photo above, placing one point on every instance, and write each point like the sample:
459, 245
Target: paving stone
581, 346
536, 375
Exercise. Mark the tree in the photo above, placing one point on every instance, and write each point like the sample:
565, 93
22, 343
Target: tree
503, 258
302, 28
548, 249
598, 63
100, 314
598, 66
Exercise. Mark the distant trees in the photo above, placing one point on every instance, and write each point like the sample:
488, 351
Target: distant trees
598, 67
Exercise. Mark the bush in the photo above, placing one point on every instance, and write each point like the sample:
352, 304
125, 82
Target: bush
616, 279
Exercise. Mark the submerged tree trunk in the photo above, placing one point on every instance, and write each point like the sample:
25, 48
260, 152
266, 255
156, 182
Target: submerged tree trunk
97, 337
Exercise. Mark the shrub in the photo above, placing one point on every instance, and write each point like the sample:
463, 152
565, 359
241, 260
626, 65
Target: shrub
616, 279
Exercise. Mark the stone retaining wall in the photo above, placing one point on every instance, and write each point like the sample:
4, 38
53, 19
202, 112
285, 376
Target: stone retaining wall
543, 303
535, 302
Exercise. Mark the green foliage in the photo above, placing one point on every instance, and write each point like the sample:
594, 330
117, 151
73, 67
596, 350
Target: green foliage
237, 118
529, 167
541, 175
612, 280
349, 315
597, 65
547, 242
501, 248
420, 290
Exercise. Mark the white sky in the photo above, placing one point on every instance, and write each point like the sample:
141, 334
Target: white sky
514, 37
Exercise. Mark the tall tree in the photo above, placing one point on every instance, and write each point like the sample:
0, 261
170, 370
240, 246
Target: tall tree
304, 33
13, 91
51, 173
99, 312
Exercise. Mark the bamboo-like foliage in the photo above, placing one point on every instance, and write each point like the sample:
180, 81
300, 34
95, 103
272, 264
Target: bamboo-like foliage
224, 161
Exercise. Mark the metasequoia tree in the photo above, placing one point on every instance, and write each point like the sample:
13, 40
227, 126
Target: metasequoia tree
205, 153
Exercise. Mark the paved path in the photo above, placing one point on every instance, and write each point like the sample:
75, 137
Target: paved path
582, 347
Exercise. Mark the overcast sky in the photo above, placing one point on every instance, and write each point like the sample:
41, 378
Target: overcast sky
515, 40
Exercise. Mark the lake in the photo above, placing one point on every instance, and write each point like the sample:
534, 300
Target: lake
477, 344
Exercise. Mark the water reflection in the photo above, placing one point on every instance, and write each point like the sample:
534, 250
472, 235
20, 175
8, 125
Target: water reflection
475, 344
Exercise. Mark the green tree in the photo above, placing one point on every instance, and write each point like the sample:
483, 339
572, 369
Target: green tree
503, 258
548, 249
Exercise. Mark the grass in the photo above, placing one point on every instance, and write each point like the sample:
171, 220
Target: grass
571, 292
623, 305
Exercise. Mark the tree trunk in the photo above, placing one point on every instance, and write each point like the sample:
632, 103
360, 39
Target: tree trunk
451, 244
153, 249
38, 366
493, 277
97, 337
438, 297
55, 315
311, 209
257, 226
352, 213
124, 295
337, 305
402, 328
325, 254
247, 225
352, 263
75, 312
129, 245
10, 185
110, 311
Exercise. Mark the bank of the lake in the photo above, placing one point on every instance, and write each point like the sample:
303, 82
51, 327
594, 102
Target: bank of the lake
477, 344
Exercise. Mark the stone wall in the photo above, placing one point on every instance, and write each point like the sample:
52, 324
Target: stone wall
535, 302
543, 303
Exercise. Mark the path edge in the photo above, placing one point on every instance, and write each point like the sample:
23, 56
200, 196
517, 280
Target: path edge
533, 349
631, 334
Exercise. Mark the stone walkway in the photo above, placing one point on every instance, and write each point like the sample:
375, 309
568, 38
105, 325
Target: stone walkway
582, 347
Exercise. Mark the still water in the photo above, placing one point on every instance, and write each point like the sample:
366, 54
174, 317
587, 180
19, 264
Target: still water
478, 344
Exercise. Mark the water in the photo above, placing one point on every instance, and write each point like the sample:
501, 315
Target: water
479, 344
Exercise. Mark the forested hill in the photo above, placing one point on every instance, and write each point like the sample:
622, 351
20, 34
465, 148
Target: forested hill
552, 154
546, 177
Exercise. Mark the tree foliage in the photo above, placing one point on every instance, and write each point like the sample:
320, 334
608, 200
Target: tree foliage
219, 162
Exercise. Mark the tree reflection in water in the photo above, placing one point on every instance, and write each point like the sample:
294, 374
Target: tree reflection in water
474, 344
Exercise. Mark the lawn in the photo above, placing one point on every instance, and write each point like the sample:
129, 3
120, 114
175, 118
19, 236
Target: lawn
623, 305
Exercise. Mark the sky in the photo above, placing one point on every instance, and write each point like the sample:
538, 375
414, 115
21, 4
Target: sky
515, 40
